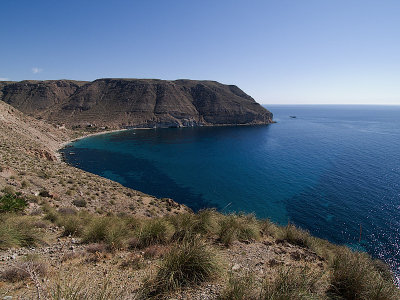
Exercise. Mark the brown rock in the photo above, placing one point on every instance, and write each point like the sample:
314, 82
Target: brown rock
118, 103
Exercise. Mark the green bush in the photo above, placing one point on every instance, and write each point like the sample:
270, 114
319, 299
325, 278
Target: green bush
11, 203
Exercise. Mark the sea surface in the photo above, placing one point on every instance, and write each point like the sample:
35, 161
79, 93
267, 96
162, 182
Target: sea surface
330, 170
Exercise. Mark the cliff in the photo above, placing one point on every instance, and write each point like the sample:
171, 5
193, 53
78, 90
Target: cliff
117, 103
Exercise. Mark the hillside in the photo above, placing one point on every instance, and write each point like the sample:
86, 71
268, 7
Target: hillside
68, 234
118, 103
29, 164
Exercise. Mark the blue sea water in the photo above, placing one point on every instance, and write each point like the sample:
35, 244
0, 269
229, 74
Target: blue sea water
330, 170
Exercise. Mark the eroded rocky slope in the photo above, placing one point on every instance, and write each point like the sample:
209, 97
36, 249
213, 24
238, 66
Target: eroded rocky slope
118, 103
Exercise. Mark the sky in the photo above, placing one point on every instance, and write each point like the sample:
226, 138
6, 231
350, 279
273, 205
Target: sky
279, 52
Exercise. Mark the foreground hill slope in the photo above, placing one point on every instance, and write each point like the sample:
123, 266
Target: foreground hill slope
118, 103
69, 234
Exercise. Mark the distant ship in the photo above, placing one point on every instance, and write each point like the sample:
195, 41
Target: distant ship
293, 117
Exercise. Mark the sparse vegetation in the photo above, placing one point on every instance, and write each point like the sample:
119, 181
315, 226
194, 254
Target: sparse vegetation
239, 288
10, 202
295, 284
295, 236
23, 270
356, 276
187, 264
185, 248
78, 285
79, 202
18, 231
94, 246
238, 227
155, 231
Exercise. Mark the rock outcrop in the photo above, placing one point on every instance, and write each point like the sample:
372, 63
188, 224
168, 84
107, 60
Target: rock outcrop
117, 103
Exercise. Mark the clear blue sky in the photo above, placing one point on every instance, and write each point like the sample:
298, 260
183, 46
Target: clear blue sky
298, 51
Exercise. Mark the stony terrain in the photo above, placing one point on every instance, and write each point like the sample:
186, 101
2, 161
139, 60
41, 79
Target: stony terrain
118, 103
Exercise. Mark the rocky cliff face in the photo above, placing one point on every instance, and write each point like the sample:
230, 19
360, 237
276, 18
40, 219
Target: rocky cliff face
119, 103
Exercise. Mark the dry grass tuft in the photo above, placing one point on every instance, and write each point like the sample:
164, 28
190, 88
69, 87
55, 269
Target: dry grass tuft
155, 231
187, 264
239, 288
18, 231
238, 227
356, 276
295, 284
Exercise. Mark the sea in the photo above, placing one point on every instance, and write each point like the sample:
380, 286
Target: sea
332, 170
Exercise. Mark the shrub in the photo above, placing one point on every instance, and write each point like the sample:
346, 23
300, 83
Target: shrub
11, 203
155, 231
238, 227
8, 190
109, 230
186, 264
50, 213
185, 226
18, 231
269, 228
189, 225
239, 288
77, 286
22, 271
79, 202
296, 236
356, 276
72, 225
67, 211
45, 194
295, 284
96, 231
24, 184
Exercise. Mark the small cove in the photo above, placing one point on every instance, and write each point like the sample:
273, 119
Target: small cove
329, 170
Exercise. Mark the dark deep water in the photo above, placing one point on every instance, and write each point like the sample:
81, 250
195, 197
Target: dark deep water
329, 170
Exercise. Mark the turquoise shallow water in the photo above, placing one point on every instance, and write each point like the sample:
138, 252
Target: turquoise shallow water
329, 170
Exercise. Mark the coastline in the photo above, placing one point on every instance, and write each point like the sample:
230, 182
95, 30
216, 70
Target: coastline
63, 144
